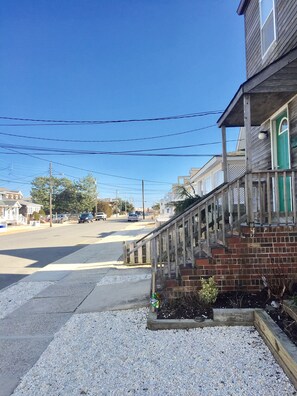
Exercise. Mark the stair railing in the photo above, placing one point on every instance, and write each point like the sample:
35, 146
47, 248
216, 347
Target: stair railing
191, 234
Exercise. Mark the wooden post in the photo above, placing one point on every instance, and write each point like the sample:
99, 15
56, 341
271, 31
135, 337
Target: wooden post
139, 255
154, 268
176, 250
191, 223
248, 156
132, 255
148, 252
125, 255
184, 242
294, 197
224, 151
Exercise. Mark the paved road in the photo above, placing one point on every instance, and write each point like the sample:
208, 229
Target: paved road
24, 253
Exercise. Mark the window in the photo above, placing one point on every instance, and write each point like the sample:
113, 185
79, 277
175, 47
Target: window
207, 185
283, 127
218, 178
267, 21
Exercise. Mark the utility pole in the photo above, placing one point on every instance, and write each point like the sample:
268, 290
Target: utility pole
96, 204
51, 194
143, 199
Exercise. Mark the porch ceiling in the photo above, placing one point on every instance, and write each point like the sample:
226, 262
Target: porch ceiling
269, 90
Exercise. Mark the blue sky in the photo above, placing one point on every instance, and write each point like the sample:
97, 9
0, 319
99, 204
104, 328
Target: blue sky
114, 60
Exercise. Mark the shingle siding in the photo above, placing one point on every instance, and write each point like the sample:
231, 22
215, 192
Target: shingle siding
286, 31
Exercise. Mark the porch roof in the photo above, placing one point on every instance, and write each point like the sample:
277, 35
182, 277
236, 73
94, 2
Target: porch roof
269, 90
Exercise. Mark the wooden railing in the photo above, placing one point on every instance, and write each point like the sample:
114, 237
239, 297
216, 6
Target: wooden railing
263, 197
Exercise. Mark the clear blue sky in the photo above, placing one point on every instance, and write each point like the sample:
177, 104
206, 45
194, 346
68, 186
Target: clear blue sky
111, 60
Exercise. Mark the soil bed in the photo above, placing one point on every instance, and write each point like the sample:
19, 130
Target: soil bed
190, 307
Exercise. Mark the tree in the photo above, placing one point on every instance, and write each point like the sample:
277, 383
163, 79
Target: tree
66, 199
103, 206
187, 198
67, 196
125, 206
40, 192
156, 206
86, 194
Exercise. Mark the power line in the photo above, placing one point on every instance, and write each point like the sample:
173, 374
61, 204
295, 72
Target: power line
100, 122
123, 152
86, 170
14, 181
110, 140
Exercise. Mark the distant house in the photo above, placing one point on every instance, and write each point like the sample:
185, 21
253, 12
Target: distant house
211, 175
10, 206
28, 208
14, 209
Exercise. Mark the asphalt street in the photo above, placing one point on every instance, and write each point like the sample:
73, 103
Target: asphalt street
23, 253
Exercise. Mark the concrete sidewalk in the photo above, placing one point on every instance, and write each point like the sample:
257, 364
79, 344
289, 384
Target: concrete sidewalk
89, 280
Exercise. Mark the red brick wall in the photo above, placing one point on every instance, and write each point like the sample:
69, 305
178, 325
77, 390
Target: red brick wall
259, 251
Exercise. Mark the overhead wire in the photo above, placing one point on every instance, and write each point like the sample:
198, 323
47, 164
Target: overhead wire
86, 170
100, 122
109, 140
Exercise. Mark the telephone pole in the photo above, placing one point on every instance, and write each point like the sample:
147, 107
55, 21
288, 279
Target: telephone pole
143, 199
51, 194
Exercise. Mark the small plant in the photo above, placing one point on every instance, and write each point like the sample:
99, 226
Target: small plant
209, 291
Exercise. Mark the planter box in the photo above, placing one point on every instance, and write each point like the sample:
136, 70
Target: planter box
221, 317
282, 348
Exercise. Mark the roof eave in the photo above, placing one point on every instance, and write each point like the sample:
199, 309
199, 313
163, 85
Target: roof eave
241, 7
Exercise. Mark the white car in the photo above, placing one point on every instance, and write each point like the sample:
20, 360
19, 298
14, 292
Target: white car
133, 217
101, 216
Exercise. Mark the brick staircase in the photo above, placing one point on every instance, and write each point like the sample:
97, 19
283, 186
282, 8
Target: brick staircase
256, 252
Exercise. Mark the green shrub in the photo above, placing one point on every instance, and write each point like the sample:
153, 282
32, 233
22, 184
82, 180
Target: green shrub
209, 291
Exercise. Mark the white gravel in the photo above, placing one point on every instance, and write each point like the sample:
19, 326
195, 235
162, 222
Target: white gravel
18, 294
109, 280
112, 353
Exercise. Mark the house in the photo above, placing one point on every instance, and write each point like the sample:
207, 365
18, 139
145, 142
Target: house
10, 206
28, 208
14, 209
211, 175
246, 228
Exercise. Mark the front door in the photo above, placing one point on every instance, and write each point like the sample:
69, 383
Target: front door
282, 160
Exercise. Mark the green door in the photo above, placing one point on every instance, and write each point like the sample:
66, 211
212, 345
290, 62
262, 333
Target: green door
283, 160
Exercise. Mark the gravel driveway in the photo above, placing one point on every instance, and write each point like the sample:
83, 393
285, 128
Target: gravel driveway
112, 353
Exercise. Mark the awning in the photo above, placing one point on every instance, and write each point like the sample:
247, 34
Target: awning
269, 90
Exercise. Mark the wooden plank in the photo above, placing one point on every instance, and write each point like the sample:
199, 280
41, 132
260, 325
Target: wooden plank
224, 151
132, 254
279, 344
175, 249
191, 223
184, 242
294, 197
291, 309
148, 252
168, 253
139, 255
125, 255
269, 199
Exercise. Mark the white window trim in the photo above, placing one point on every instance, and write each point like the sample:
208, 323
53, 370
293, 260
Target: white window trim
261, 26
272, 127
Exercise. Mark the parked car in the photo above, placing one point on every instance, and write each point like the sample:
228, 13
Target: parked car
62, 217
86, 218
58, 218
100, 216
133, 217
